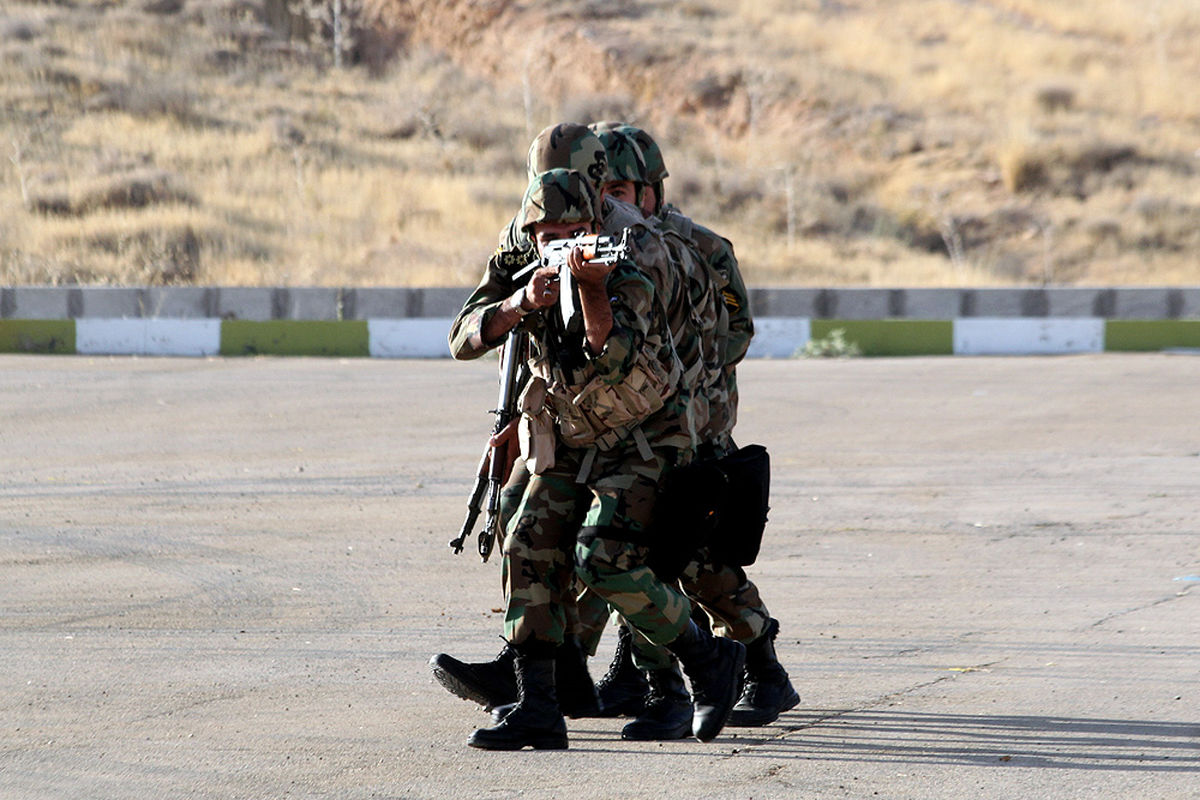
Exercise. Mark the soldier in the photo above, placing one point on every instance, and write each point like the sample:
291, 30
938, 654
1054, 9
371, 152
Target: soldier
567, 146
636, 174
586, 508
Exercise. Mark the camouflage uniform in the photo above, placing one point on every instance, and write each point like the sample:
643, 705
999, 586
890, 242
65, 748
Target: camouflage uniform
563, 145
609, 508
724, 591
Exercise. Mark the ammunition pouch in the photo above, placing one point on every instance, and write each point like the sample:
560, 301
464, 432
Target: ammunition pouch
536, 429
602, 414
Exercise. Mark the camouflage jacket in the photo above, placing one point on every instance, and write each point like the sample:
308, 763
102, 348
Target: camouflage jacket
639, 349
717, 253
514, 252
628, 395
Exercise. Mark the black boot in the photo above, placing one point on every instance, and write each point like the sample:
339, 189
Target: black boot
714, 669
623, 688
767, 691
576, 692
490, 684
536, 720
668, 713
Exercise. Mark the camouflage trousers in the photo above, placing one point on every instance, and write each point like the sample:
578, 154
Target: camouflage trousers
561, 530
729, 599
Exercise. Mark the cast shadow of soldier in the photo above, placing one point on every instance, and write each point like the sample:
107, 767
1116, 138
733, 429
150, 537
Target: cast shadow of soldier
1048, 742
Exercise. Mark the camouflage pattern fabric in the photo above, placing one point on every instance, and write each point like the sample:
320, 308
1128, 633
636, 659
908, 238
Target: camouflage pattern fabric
515, 253
592, 616
612, 545
580, 605
538, 567
656, 167
595, 530
625, 159
640, 339
568, 145
559, 195
729, 598
717, 253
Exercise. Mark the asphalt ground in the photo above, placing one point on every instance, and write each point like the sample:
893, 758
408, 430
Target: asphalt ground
224, 578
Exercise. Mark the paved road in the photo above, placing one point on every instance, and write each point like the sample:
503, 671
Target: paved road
224, 578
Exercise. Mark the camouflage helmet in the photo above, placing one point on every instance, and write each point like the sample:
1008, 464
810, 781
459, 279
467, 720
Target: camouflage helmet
559, 195
625, 159
568, 145
656, 168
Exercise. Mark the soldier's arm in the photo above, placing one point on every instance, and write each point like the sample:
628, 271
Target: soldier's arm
630, 300
473, 332
719, 252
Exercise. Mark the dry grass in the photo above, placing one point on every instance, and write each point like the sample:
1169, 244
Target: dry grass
851, 142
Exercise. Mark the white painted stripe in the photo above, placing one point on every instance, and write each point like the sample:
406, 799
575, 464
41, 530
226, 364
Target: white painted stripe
1026, 336
779, 337
423, 337
148, 337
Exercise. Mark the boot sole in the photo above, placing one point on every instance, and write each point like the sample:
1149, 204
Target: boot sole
682, 732
757, 718
460, 688
537, 744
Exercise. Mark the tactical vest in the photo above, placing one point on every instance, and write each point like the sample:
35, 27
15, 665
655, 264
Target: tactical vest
578, 407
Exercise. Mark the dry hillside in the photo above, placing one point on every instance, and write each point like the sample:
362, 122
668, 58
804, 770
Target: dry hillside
924, 142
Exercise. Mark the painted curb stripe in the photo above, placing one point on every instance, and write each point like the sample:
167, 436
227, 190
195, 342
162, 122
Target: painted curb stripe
425, 337
409, 338
294, 338
37, 336
148, 337
979, 337
778, 337
891, 337
1155, 334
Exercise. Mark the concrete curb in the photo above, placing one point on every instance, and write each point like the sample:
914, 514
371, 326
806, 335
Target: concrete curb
412, 323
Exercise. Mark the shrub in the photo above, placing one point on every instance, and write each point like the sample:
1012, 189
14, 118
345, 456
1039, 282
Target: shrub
835, 345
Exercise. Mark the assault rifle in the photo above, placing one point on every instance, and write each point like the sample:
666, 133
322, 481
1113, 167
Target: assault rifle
596, 247
492, 467
490, 475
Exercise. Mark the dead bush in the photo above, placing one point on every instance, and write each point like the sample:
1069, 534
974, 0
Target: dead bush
17, 30
597, 107
1051, 98
137, 189
713, 91
157, 257
1024, 168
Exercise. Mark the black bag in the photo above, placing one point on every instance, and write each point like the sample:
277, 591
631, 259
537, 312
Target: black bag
721, 503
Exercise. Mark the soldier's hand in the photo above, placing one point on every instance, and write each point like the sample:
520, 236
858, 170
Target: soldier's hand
542, 289
587, 273
506, 446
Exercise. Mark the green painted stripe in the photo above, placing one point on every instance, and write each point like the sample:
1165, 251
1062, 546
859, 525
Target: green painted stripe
892, 337
294, 338
37, 336
1151, 334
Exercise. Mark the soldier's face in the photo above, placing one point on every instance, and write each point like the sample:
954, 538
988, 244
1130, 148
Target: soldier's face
649, 200
625, 191
546, 232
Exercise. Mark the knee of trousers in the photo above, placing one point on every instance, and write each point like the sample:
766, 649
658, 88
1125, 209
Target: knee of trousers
602, 552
